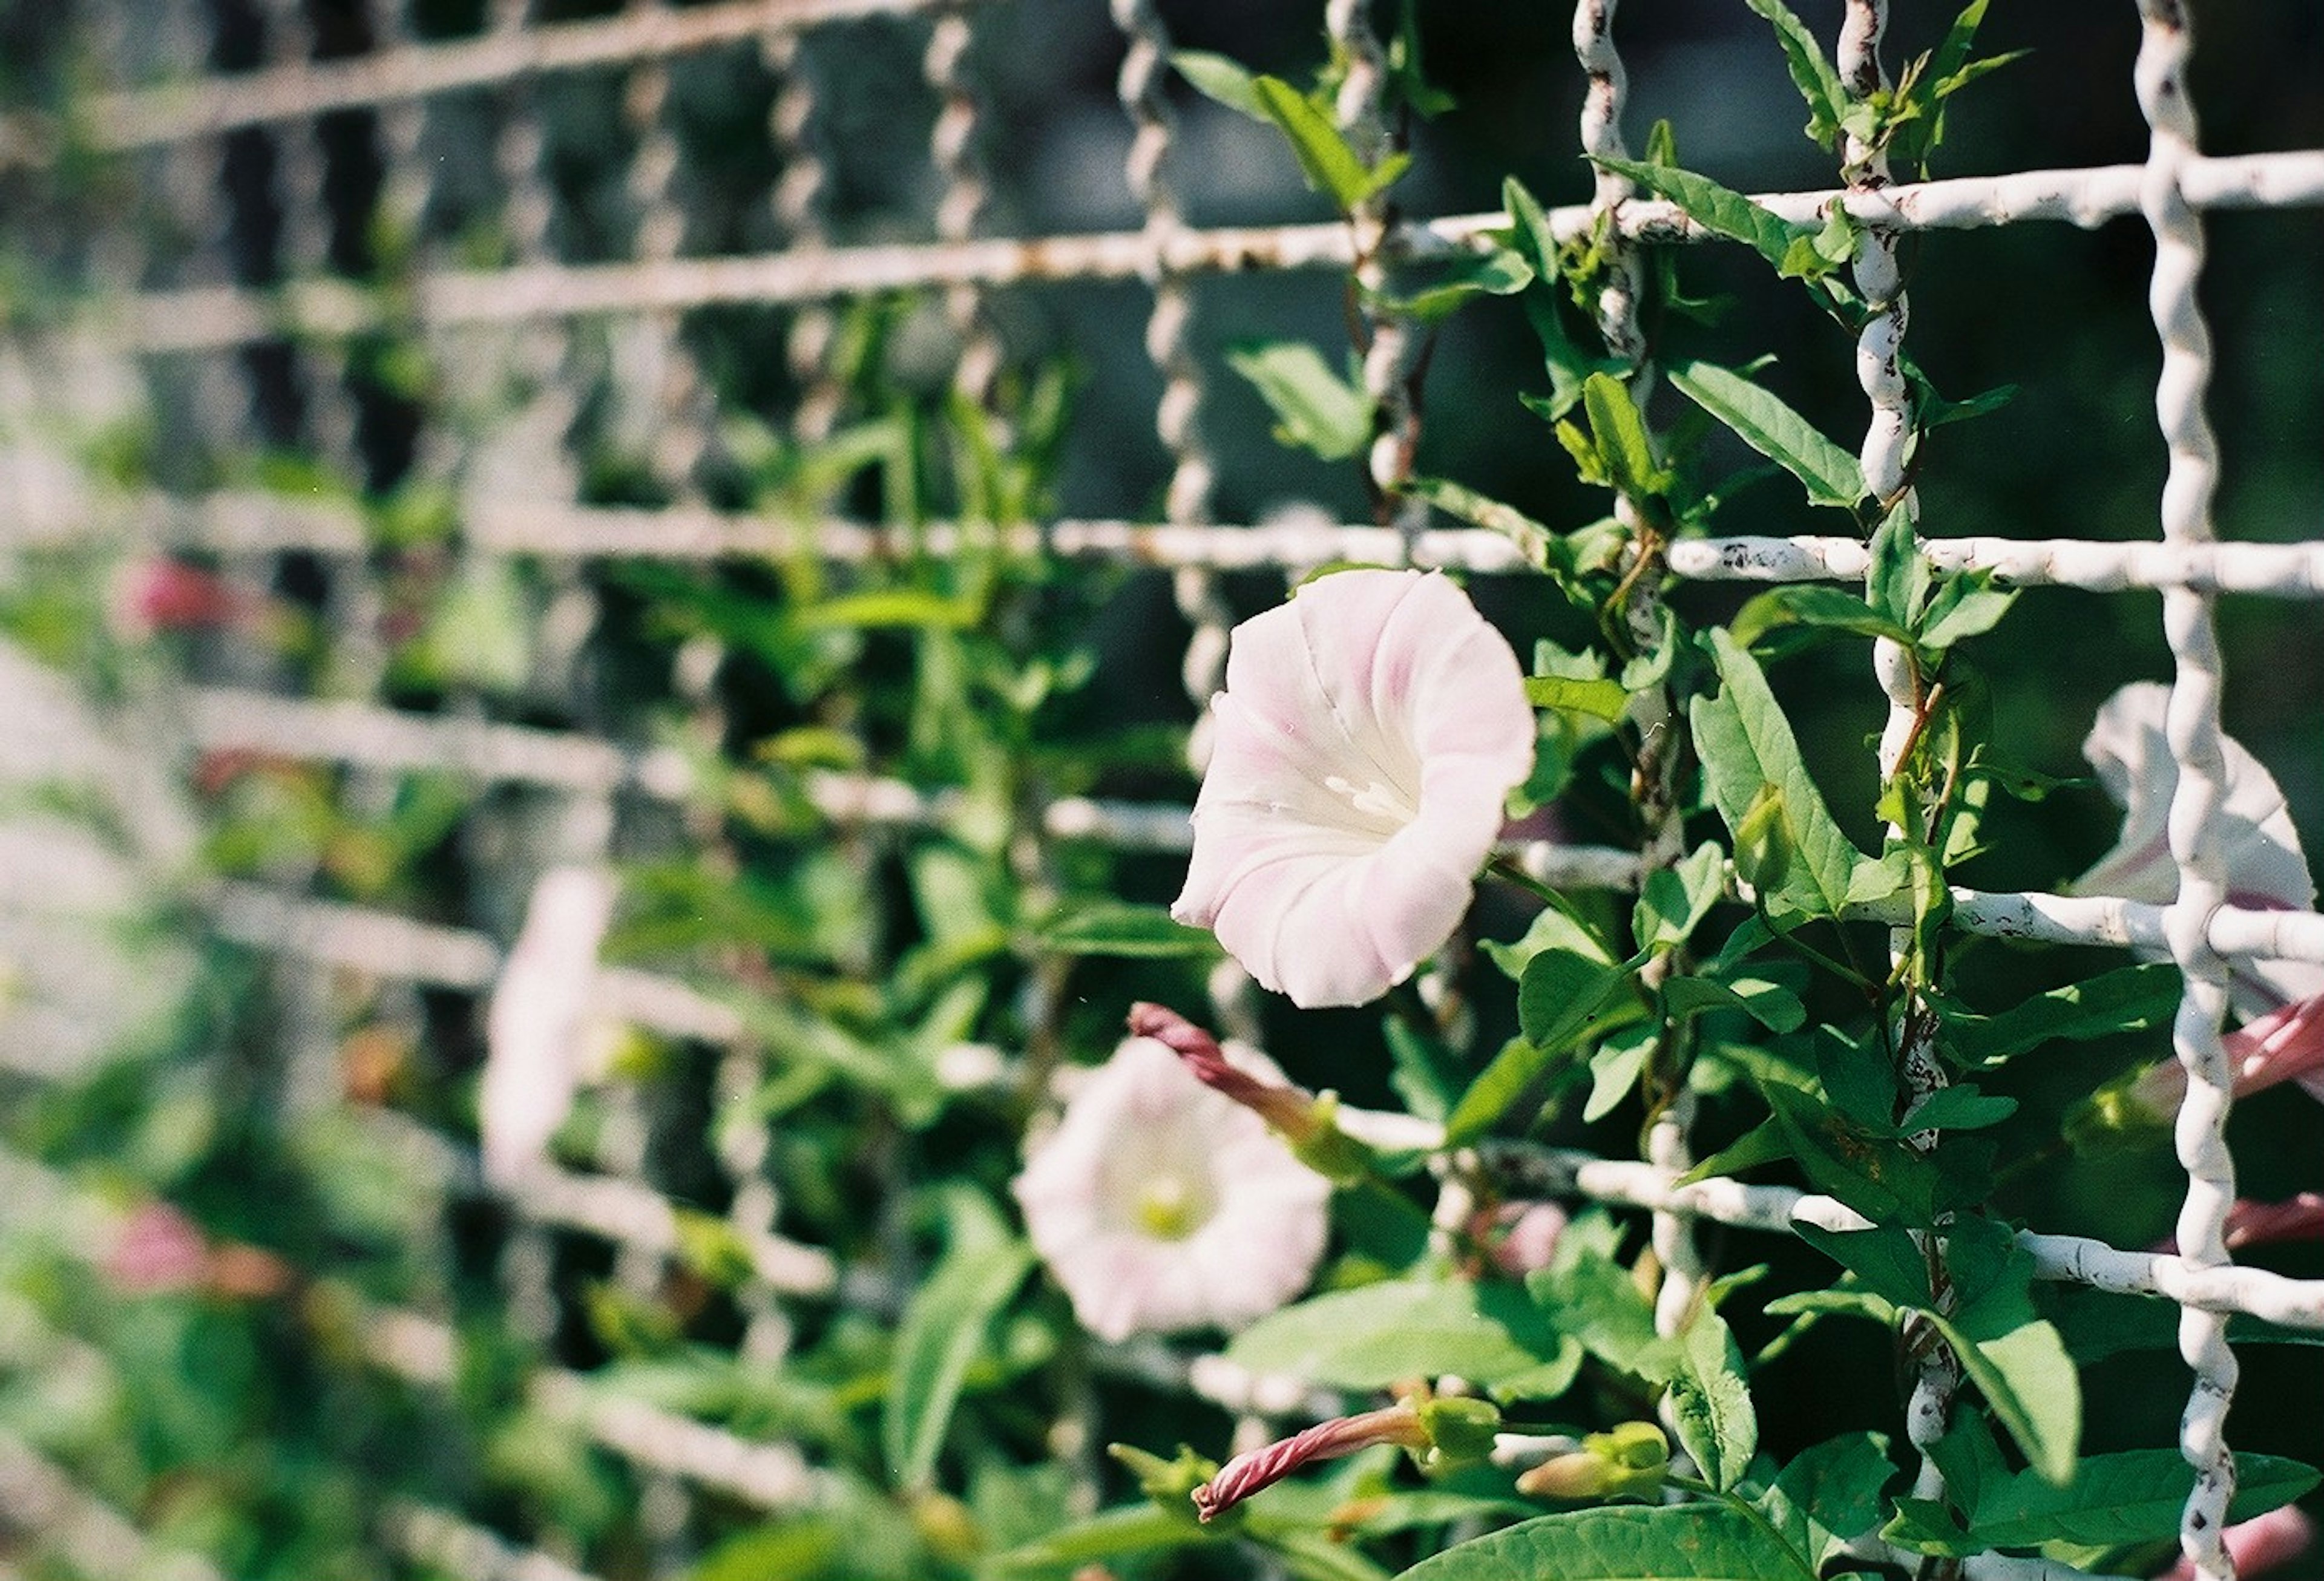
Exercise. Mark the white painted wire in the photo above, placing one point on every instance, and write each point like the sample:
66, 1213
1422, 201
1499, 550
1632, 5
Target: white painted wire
539, 296
2192, 725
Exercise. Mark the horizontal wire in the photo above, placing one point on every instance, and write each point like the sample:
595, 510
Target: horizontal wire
253, 521
2069, 1259
215, 317
180, 112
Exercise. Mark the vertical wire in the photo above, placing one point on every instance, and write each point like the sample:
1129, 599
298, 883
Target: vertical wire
539, 353
679, 407
801, 190
1653, 788
1360, 109
2192, 726
1879, 371
967, 193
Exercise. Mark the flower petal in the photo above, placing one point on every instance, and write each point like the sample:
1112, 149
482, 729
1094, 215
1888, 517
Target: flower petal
1142, 1119
1370, 732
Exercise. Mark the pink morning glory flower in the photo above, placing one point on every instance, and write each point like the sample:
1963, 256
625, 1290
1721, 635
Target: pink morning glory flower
1161, 1205
2266, 869
1370, 732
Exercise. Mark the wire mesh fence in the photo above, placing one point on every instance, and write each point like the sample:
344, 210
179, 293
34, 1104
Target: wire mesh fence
517, 300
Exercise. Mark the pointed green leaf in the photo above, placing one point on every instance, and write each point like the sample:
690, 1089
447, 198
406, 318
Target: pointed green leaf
942, 1327
1678, 1542
1114, 927
1711, 1402
1811, 74
1718, 209
1380, 1333
1830, 1493
1330, 165
1316, 407
1761, 419
1599, 698
1748, 751
1217, 78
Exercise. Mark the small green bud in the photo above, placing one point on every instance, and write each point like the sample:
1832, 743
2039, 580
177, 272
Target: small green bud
1626, 1462
1459, 1429
1170, 1484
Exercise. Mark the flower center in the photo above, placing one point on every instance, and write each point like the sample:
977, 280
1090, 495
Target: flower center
1170, 1207
1374, 799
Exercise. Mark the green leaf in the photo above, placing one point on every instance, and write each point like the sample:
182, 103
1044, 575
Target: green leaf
1771, 1004
943, 1328
1763, 421
2135, 1495
1959, 1108
1623, 446
1530, 229
1563, 997
1896, 582
1964, 606
1752, 762
1710, 1404
2016, 1359
1598, 697
1215, 76
1457, 499
1678, 1542
1813, 76
2130, 998
1673, 900
1115, 927
889, 609
1110, 1534
1376, 1335
1499, 273
1830, 1493
1316, 409
1887, 1262
1588, 1293
1807, 604
1717, 209
1614, 1071
1329, 164
1566, 994
1882, 1178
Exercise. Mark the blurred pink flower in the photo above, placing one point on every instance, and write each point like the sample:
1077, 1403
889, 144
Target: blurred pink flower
2264, 1542
2265, 870
2295, 1219
160, 594
2286, 1044
1161, 1205
1522, 1236
1369, 737
159, 1248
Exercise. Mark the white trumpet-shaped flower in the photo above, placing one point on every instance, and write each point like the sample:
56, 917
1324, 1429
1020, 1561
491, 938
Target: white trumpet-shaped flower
537, 1036
1370, 732
1161, 1205
2264, 866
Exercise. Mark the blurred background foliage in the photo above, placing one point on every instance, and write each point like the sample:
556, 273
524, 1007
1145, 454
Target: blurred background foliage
226, 1414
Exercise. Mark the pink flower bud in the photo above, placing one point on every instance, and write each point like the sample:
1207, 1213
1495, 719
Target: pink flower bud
1246, 1475
1289, 1111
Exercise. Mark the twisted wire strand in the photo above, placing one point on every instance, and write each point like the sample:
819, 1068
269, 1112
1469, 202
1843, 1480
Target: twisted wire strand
1377, 236
1879, 371
2192, 727
954, 152
800, 191
1653, 790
